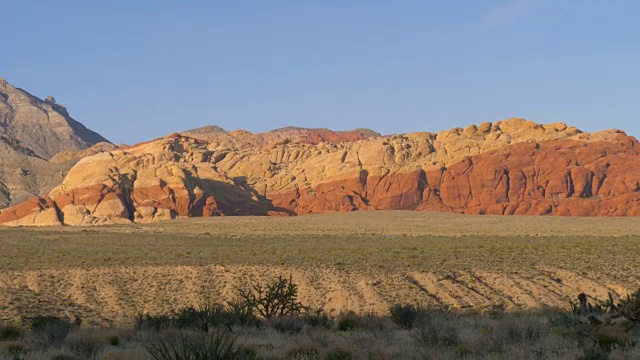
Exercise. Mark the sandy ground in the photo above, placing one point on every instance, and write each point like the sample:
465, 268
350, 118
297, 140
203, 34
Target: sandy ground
362, 262
115, 295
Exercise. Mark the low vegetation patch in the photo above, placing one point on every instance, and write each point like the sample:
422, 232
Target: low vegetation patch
47, 331
194, 346
10, 332
242, 330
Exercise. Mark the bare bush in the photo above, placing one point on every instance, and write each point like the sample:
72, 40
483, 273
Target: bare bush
275, 299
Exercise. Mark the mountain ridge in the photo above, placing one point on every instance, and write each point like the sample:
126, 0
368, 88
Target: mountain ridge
32, 131
507, 167
44, 126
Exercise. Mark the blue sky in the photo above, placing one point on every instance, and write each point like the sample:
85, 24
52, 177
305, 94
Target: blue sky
135, 70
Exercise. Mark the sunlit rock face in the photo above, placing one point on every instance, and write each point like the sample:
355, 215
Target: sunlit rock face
511, 167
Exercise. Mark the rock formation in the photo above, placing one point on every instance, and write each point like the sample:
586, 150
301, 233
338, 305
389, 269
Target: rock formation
509, 167
71, 155
31, 132
44, 128
220, 139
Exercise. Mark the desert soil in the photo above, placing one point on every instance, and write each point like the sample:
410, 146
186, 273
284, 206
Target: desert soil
361, 261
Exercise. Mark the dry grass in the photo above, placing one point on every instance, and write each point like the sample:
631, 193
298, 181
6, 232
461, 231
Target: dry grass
350, 261
434, 335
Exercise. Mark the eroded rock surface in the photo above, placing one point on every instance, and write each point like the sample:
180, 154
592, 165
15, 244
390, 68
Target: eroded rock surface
509, 167
221, 139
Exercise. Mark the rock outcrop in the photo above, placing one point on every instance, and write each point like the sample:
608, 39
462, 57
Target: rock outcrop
509, 167
74, 155
220, 139
31, 132
43, 128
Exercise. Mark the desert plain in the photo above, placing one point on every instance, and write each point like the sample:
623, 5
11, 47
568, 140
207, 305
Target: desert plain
360, 261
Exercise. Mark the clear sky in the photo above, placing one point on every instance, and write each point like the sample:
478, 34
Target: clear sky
135, 70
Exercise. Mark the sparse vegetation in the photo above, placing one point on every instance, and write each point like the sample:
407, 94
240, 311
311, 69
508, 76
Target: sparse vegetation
199, 318
276, 299
405, 316
409, 331
194, 346
610, 311
629, 308
48, 330
339, 354
473, 285
9, 332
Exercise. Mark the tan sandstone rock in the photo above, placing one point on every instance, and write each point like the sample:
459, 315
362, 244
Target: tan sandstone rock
509, 167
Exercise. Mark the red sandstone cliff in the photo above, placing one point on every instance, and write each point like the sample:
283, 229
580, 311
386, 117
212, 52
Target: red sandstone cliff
509, 167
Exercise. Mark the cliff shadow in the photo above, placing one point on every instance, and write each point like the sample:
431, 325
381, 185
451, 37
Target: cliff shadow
238, 198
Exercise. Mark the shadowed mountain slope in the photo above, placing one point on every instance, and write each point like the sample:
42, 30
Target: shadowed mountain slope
31, 132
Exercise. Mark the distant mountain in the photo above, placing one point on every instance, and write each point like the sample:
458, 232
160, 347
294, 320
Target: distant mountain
42, 127
32, 131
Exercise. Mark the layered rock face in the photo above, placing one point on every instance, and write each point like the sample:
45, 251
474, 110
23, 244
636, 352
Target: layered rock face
31, 132
23, 176
509, 167
44, 128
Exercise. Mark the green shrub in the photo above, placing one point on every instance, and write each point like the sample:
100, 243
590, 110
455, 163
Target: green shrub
318, 319
193, 318
49, 330
210, 314
186, 346
405, 316
350, 321
241, 314
347, 321
276, 299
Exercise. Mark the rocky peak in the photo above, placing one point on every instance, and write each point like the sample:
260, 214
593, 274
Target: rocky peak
42, 126
31, 132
